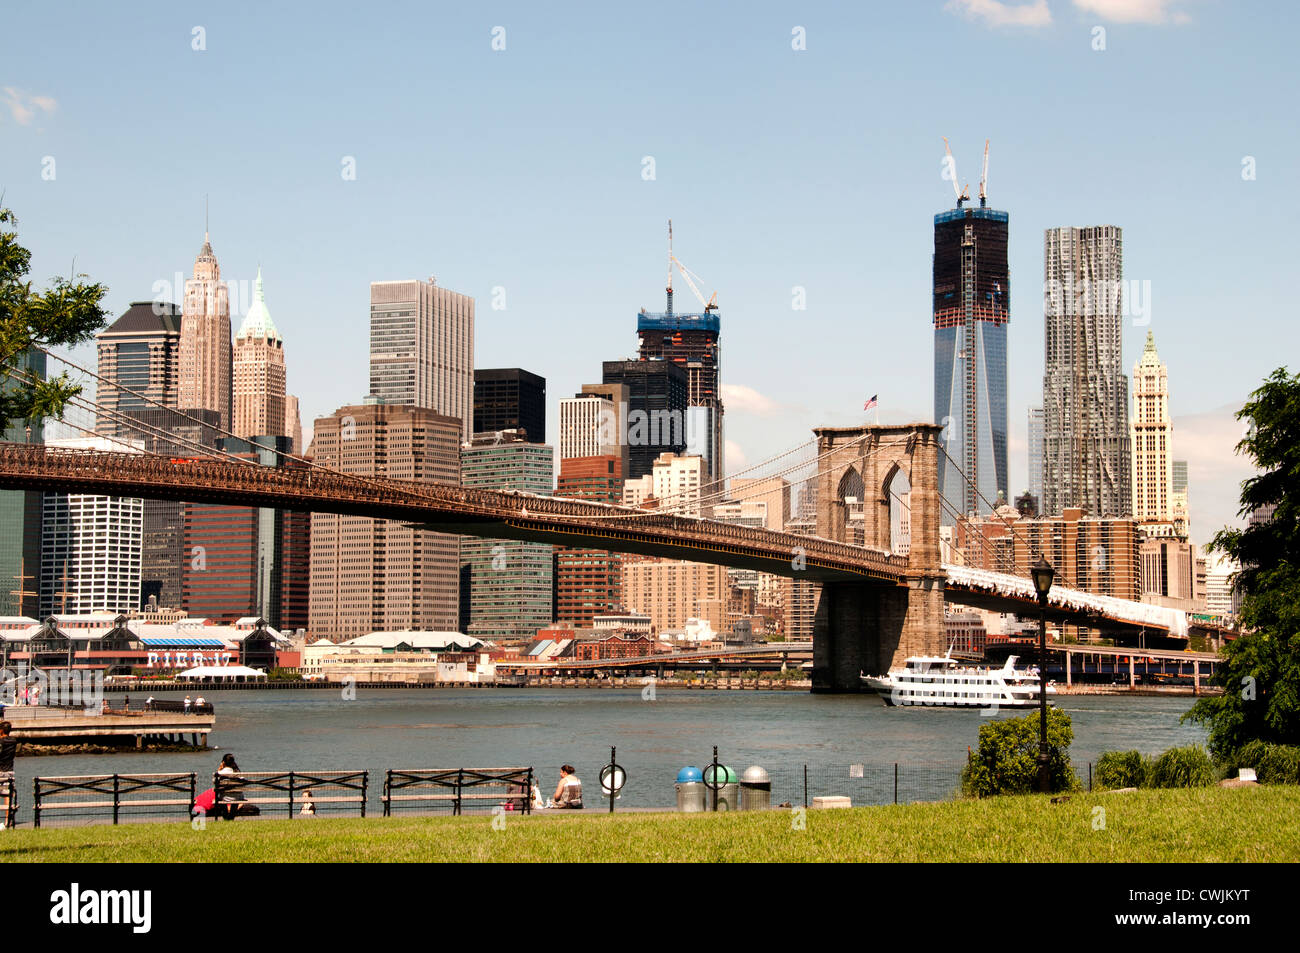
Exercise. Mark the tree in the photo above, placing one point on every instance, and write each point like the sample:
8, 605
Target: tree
66, 315
1260, 671
1007, 759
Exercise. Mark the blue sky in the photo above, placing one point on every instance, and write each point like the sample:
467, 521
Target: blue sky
818, 168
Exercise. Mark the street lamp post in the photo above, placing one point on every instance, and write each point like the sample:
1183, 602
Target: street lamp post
1042, 572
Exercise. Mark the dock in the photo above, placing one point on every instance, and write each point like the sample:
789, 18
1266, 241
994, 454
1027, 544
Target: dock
48, 725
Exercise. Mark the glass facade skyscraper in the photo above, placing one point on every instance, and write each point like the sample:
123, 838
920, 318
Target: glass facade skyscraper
972, 290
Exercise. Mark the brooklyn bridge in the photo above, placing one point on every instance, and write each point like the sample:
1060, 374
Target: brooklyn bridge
876, 607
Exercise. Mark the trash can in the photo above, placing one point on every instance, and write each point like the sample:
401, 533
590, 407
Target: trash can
729, 793
690, 791
755, 789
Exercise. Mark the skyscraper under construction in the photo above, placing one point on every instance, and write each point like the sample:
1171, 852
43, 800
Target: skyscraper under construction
692, 342
972, 291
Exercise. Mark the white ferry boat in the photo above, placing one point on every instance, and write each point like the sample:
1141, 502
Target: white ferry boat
942, 681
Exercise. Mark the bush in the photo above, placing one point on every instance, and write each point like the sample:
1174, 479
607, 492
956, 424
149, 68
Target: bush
1007, 759
1121, 769
1273, 764
1188, 767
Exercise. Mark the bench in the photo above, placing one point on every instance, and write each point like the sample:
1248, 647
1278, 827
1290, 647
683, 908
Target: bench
459, 787
287, 789
119, 791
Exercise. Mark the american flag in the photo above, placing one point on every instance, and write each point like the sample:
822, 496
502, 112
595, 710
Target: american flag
871, 403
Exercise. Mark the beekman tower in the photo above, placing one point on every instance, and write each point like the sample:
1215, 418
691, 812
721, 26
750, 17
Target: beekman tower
972, 292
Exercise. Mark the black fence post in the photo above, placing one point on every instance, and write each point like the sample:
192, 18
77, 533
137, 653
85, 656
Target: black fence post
1089, 775
365, 790
805, 787
388, 793
117, 796
895, 782
36, 800
194, 795
290, 794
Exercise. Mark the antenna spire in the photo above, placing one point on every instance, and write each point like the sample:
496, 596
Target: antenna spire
669, 289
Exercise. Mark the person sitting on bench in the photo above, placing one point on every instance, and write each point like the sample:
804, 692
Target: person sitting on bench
568, 793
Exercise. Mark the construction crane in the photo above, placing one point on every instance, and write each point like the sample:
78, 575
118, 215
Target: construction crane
690, 276
712, 303
963, 195
984, 177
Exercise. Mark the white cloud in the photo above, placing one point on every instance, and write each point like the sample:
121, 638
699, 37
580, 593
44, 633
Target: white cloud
1207, 442
1134, 11
23, 106
738, 397
735, 457
997, 13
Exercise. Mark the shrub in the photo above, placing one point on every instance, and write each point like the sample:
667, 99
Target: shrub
1121, 769
1007, 759
1188, 767
1273, 764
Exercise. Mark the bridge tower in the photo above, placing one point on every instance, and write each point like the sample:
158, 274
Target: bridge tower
870, 627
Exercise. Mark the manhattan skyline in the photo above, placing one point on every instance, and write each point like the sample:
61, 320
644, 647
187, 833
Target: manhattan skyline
517, 175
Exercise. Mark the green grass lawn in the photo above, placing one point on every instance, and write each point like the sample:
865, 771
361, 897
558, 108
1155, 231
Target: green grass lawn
1206, 824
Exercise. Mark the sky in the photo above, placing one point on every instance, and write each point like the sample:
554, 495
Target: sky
530, 155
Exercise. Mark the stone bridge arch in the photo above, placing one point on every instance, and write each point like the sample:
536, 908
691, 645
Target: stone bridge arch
866, 628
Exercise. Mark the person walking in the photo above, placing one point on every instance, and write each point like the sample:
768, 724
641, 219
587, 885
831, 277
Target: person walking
188, 703
148, 703
8, 748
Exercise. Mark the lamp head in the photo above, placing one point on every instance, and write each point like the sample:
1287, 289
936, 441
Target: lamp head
1042, 574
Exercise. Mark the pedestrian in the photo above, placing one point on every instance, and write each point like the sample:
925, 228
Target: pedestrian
8, 748
198, 702
126, 702
188, 703
148, 703
568, 793
308, 806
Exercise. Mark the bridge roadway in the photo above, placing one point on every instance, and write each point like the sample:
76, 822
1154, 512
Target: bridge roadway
651, 661
445, 508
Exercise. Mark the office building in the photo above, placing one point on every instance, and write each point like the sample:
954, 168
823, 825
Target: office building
656, 416
422, 348
371, 575
588, 582
205, 351
588, 427
773, 491
1035, 475
242, 562
972, 293
1168, 573
507, 586
21, 514
1152, 444
674, 483
139, 364
1087, 459
671, 592
510, 398
259, 372
1092, 554
91, 545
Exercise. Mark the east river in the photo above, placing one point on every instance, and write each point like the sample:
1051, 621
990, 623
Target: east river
849, 742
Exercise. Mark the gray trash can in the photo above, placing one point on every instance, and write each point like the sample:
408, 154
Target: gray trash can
690, 791
755, 789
